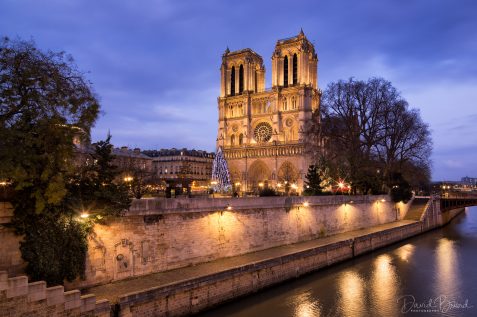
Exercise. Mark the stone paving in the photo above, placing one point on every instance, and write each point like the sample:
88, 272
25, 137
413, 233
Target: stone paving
116, 289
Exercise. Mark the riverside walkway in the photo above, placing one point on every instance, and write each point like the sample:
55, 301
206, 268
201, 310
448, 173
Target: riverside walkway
114, 290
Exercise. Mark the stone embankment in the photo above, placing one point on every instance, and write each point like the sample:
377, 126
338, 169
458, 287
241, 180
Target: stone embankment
303, 236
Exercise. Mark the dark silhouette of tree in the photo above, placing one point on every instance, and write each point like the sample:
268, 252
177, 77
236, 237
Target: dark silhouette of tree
368, 133
313, 182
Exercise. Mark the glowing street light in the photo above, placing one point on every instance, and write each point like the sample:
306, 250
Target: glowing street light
306, 204
84, 215
128, 179
260, 184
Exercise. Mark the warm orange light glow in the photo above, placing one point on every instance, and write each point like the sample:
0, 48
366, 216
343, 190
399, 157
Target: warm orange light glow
340, 185
279, 185
84, 215
128, 179
229, 207
306, 204
260, 184
383, 200
352, 294
384, 284
294, 186
237, 184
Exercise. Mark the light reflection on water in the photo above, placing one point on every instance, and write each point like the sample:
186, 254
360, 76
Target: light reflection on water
441, 262
306, 306
352, 292
447, 268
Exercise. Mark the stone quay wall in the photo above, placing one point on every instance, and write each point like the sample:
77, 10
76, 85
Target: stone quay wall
192, 296
195, 295
20, 298
162, 234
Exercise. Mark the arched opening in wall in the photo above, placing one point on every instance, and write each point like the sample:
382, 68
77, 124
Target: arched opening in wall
258, 173
232, 140
232, 81
241, 79
287, 174
234, 173
295, 69
285, 104
241, 139
285, 72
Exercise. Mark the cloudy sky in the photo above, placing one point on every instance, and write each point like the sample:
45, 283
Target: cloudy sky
155, 63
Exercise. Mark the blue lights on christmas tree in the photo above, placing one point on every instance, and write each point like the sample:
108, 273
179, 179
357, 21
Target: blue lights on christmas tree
220, 173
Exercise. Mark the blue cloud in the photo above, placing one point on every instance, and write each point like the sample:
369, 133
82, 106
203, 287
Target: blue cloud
155, 63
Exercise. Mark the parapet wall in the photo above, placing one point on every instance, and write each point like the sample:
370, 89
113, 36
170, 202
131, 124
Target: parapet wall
156, 235
20, 298
163, 234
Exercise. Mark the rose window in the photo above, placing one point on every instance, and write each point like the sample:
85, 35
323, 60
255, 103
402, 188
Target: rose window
263, 132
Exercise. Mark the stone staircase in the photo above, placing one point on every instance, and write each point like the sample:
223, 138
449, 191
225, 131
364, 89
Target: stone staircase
416, 209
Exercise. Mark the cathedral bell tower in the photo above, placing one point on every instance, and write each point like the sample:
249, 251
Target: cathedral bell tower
262, 130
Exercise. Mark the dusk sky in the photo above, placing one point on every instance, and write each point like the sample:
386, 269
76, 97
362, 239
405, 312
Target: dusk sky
155, 64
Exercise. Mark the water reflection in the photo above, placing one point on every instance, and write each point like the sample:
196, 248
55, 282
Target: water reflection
384, 286
446, 268
441, 262
405, 252
352, 295
306, 306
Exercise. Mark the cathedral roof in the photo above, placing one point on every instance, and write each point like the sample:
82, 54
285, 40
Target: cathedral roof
242, 51
300, 36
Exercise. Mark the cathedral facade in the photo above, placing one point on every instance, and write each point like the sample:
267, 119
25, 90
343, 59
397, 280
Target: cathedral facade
261, 131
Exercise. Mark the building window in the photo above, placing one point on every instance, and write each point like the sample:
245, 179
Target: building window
241, 79
295, 69
232, 81
241, 139
293, 102
285, 72
232, 140
285, 104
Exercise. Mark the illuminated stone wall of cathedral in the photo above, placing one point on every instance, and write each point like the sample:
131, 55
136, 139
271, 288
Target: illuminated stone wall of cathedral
262, 130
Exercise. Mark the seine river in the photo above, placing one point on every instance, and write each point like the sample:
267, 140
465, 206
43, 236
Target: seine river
434, 274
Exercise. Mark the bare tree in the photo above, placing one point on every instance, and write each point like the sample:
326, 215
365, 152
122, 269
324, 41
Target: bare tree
369, 134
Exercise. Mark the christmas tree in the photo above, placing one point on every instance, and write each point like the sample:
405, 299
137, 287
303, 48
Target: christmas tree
220, 173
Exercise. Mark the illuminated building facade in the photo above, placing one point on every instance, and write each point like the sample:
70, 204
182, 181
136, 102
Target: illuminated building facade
262, 130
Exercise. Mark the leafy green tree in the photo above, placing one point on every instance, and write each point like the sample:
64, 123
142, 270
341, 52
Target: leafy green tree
313, 182
93, 189
44, 102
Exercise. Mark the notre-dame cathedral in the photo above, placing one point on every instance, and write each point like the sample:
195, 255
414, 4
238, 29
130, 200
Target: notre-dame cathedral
261, 131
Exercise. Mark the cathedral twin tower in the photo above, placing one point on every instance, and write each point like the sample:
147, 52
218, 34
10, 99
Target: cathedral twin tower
261, 131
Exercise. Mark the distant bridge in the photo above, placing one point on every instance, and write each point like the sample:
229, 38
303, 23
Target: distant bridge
457, 200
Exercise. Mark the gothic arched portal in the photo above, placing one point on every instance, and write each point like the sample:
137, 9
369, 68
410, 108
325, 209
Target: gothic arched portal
258, 172
287, 172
